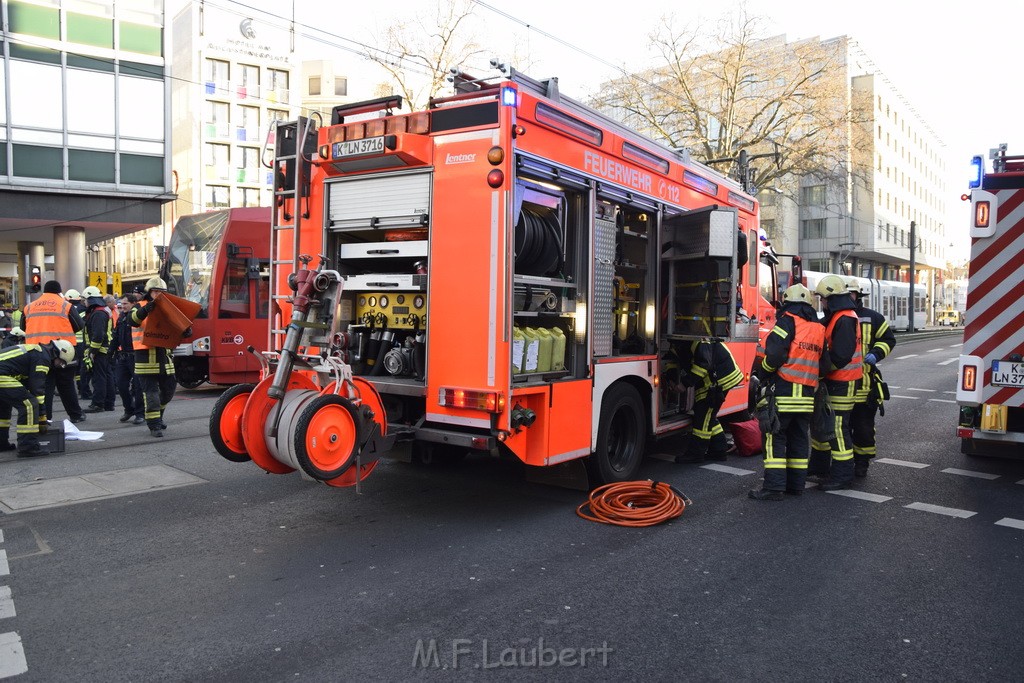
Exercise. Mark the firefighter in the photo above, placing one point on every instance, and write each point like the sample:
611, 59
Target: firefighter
791, 363
713, 371
153, 365
123, 353
99, 332
842, 367
23, 372
48, 318
83, 375
877, 342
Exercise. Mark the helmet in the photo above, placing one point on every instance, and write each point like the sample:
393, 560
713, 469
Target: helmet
91, 291
829, 286
853, 285
155, 282
72, 294
65, 350
17, 332
797, 292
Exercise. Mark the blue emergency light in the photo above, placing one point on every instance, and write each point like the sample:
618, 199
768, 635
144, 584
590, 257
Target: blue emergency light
508, 96
977, 169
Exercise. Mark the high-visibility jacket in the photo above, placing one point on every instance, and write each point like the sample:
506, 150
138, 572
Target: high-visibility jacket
149, 360
877, 338
793, 351
710, 364
46, 319
854, 370
25, 365
17, 318
98, 329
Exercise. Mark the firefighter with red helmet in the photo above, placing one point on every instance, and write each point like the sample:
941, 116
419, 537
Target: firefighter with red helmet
791, 364
842, 366
877, 342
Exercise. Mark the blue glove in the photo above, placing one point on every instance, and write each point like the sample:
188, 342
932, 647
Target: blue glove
870, 359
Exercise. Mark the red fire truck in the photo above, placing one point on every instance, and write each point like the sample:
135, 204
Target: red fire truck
503, 271
990, 381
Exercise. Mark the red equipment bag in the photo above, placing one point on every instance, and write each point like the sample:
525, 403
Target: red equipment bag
747, 436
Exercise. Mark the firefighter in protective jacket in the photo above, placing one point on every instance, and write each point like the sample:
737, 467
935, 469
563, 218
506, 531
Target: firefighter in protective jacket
23, 372
713, 371
842, 365
153, 365
792, 363
877, 342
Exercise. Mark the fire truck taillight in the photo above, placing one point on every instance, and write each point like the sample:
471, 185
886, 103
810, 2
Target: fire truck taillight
419, 123
375, 128
981, 214
325, 151
491, 401
355, 131
495, 155
396, 125
969, 378
495, 178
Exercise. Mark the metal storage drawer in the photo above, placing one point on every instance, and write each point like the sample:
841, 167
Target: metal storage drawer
415, 249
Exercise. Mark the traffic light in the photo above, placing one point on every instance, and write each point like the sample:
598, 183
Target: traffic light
35, 280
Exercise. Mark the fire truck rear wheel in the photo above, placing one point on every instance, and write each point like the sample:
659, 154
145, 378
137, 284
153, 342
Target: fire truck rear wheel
621, 437
226, 422
327, 434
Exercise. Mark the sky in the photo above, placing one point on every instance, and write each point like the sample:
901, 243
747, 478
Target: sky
951, 62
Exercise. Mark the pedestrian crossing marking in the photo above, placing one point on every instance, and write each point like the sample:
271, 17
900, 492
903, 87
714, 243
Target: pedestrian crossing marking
902, 463
940, 510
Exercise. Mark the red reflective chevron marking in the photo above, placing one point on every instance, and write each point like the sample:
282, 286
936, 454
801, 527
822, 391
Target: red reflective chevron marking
1008, 204
997, 245
991, 335
1007, 396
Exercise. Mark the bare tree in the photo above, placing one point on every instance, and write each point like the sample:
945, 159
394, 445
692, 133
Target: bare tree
729, 90
418, 53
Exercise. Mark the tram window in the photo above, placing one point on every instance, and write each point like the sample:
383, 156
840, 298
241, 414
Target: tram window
234, 294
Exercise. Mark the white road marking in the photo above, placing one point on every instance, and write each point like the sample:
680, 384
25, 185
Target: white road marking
956, 346
969, 473
892, 386
1021, 482
6, 603
902, 463
911, 355
947, 362
898, 396
861, 495
939, 510
1010, 522
949, 392
913, 389
5, 568
933, 350
728, 470
941, 400
12, 655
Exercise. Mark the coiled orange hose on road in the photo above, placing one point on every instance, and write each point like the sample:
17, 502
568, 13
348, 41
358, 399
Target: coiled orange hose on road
633, 503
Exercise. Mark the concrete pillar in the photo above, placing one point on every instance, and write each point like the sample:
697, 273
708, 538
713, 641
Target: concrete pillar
69, 257
32, 252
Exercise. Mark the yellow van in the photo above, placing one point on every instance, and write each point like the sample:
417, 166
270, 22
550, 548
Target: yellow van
950, 318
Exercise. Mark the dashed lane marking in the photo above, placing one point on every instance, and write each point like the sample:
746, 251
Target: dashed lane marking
949, 392
12, 655
902, 463
947, 362
939, 510
728, 470
6, 603
969, 473
934, 350
956, 346
909, 355
1010, 522
861, 495
1021, 482
5, 567
915, 389
898, 396
941, 400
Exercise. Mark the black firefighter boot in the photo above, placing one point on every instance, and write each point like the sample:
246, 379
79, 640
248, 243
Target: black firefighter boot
696, 452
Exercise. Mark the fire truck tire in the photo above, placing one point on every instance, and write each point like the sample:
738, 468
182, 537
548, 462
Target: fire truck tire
226, 423
192, 382
327, 434
621, 437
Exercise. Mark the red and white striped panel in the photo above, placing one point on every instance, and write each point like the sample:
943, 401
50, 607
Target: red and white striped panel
995, 295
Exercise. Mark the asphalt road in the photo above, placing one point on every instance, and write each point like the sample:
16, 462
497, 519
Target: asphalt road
472, 573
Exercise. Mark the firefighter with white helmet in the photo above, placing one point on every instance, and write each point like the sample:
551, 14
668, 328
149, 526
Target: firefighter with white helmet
23, 371
153, 365
99, 332
877, 342
791, 365
842, 365
83, 374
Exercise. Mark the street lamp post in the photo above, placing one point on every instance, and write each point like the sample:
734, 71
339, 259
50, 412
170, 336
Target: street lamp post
913, 265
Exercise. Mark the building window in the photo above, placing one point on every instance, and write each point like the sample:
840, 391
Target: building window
144, 40
218, 158
249, 196
812, 194
314, 85
137, 169
218, 73
812, 229
821, 265
249, 82
87, 30
248, 129
278, 86
218, 119
33, 20
341, 87
216, 197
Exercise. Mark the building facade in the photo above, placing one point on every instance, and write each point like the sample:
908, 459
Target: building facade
84, 120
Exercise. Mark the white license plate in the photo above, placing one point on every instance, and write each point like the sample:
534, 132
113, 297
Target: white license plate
351, 148
1007, 373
